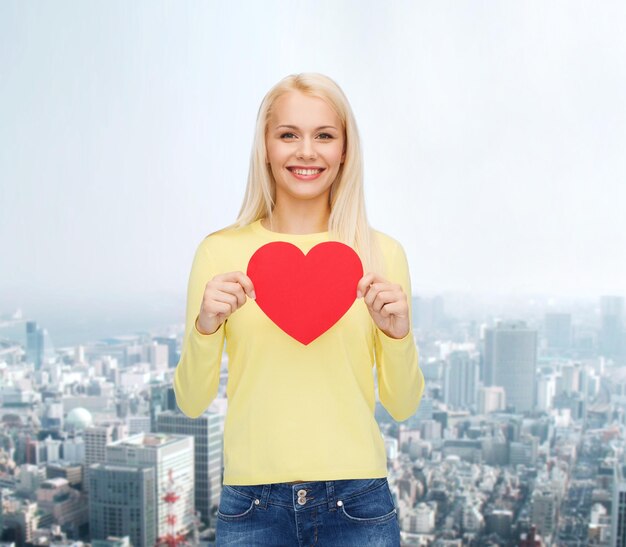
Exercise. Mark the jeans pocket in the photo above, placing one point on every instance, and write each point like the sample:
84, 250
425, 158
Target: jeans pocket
234, 505
373, 506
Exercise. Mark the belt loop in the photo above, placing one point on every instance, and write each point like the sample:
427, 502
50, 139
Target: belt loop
265, 495
330, 492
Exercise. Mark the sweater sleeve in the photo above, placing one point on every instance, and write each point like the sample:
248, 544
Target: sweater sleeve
197, 374
400, 379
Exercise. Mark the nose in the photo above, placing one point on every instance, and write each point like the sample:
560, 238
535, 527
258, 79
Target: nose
306, 149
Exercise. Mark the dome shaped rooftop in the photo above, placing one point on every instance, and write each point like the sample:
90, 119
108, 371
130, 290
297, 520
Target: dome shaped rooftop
79, 418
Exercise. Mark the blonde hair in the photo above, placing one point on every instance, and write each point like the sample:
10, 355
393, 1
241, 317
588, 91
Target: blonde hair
348, 221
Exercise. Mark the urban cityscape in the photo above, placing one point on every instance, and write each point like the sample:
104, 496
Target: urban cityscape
518, 439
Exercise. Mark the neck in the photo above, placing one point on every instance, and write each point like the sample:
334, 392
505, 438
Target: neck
297, 222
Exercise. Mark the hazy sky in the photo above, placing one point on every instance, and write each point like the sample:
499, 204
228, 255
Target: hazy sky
494, 136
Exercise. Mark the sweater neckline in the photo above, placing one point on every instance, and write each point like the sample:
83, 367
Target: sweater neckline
259, 228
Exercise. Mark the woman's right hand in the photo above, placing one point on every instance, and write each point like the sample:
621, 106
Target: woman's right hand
223, 295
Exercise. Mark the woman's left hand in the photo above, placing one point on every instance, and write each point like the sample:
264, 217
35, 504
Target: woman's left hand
387, 304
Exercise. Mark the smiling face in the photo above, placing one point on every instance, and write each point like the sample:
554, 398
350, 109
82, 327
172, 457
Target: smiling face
305, 143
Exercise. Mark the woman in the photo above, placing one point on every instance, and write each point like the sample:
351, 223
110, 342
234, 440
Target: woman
304, 459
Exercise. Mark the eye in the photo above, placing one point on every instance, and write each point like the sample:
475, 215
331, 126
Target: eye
327, 136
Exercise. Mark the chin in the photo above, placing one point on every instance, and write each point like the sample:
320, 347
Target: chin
299, 193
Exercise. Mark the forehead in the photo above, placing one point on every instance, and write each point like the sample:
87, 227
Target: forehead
304, 111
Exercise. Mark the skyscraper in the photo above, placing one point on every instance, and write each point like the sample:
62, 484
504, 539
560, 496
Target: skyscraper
34, 344
487, 371
544, 511
490, 399
207, 431
170, 342
611, 336
460, 379
618, 517
166, 453
122, 501
162, 398
511, 362
96, 439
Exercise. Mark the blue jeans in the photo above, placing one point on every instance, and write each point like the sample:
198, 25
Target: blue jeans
346, 513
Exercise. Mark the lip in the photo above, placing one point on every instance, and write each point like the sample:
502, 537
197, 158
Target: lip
290, 167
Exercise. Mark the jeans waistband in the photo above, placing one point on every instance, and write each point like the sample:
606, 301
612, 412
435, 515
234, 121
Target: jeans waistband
314, 492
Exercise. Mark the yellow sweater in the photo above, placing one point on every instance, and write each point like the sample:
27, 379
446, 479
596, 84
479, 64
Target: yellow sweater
295, 411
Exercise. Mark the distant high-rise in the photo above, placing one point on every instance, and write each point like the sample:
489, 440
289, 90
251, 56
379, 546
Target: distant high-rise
511, 362
207, 431
611, 336
546, 389
487, 372
618, 520
170, 342
166, 453
422, 519
96, 439
524, 451
460, 379
499, 521
122, 501
544, 511
34, 344
39, 346
490, 399
558, 330
569, 380
162, 398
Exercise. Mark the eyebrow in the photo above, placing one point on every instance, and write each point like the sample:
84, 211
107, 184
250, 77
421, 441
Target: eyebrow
295, 127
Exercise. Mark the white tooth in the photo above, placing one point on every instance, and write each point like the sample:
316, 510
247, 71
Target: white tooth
307, 171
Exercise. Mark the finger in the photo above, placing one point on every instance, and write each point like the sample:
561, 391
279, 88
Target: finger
238, 277
246, 283
365, 282
227, 297
379, 295
235, 289
374, 289
393, 308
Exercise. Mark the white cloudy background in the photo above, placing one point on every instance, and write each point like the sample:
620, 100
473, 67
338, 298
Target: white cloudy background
494, 136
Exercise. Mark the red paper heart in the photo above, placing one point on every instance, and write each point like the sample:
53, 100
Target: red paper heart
305, 295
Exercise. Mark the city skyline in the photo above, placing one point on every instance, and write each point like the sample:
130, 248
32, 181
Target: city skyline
488, 455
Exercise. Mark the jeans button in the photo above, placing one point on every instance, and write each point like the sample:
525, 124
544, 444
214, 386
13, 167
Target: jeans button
301, 501
302, 492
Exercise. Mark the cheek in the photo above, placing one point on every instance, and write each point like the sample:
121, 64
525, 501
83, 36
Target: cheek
338, 150
277, 154
337, 155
